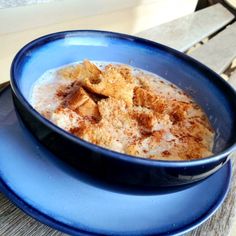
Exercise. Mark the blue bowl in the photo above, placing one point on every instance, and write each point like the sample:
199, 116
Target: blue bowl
210, 91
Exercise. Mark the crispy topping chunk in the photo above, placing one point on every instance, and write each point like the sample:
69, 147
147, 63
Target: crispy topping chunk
148, 99
111, 83
80, 102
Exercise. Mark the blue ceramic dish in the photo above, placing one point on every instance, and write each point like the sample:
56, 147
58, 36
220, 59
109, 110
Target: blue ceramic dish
210, 91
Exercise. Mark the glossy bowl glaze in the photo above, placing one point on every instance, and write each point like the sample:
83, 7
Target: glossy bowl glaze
210, 91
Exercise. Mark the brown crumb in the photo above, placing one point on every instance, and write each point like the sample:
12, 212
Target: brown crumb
166, 153
158, 135
148, 99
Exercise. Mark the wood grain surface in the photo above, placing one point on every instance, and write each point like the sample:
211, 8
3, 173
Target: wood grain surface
220, 51
186, 31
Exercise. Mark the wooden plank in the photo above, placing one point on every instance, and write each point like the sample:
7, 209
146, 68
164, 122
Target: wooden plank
219, 52
14, 222
186, 31
232, 79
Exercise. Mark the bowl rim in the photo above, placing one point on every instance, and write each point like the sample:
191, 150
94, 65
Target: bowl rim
98, 149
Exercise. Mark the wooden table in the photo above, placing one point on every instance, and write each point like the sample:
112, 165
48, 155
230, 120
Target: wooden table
204, 36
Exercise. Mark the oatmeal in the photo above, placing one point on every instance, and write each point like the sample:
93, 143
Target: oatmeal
124, 109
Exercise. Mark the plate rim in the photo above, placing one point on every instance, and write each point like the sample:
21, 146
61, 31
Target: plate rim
51, 222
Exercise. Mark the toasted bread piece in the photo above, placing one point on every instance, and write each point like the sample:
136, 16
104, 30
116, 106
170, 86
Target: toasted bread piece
71, 72
145, 117
88, 108
91, 71
115, 111
80, 102
76, 98
111, 84
124, 70
147, 99
80, 72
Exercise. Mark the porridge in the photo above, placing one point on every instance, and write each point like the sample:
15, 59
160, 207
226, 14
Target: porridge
124, 109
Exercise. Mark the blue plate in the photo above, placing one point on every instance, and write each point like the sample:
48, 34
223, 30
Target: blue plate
47, 189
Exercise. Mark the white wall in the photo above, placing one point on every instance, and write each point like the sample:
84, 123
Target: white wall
125, 15
19, 25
